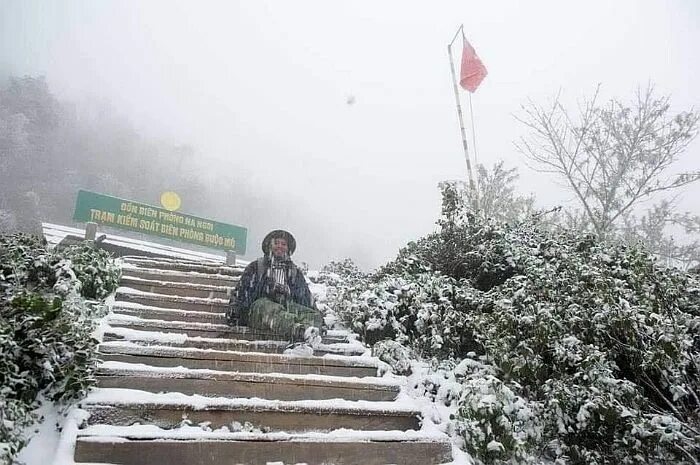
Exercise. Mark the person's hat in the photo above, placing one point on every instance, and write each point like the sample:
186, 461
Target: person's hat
276, 234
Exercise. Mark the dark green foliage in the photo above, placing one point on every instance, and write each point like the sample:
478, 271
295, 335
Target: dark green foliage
46, 325
574, 350
94, 268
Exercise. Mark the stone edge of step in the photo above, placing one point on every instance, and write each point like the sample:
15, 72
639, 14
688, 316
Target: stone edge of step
107, 433
133, 398
131, 270
127, 348
135, 307
131, 293
129, 322
186, 267
123, 369
172, 284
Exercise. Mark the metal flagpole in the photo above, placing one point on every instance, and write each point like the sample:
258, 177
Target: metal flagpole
472, 186
476, 153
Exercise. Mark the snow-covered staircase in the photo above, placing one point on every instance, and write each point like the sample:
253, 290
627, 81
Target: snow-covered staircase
179, 386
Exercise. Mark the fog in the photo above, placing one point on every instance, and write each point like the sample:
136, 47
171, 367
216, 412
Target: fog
337, 119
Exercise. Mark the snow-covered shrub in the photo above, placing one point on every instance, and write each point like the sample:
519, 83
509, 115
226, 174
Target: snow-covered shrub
588, 351
337, 278
397, 356
421, 311
26, 263
94, 268
602, 338
46, 347
337, 272
498, 425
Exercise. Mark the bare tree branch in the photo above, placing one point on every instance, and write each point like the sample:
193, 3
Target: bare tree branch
612, 156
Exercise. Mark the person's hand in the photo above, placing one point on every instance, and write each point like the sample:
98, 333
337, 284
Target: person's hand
281, 289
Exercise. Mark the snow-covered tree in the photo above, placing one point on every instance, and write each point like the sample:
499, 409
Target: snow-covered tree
612, 156
498, 197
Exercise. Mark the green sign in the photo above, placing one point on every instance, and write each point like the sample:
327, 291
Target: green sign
139, 217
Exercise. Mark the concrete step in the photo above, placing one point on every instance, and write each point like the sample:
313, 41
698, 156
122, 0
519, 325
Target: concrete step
181, 340
189, 328
167, 314
170, 301
164, 356
125, 407
177, 259
178, 276
181, 289
183, 265
235, 384
190, 333
99, 444
146, 338
180, 319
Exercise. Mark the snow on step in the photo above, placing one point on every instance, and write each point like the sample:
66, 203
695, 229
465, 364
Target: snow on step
175, 339
172, 339
177, 288
164, 356
126, 294
214, 331
191, 277
191, 260
124, 407
116, 318
224, 383
167, 314
190, 328
179, 265
148, 444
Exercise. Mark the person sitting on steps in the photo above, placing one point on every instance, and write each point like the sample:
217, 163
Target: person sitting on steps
272, 294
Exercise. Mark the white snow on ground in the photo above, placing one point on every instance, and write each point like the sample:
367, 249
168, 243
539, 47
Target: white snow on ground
44, 436
49, 442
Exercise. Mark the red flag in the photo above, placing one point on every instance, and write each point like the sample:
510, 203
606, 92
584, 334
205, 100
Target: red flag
473, 70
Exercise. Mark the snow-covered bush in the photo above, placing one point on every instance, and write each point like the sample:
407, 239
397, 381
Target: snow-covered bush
94, 268
397, 356
46, 347
419, 310
573, 350
603, 339
497, 424
26, 263
338, 276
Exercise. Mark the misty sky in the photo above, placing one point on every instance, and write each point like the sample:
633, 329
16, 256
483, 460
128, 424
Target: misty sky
259, 89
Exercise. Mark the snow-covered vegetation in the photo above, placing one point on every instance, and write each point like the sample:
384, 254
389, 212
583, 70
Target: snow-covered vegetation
554, 347
46, 323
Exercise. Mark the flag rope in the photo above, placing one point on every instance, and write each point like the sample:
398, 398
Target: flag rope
471, 119
476, 154
463, 132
